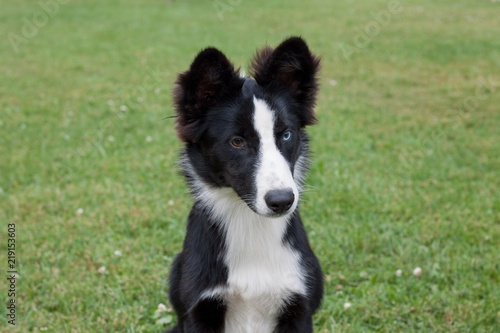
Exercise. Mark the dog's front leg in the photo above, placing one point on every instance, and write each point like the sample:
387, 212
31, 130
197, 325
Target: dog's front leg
296, 317
300, 324
207, 316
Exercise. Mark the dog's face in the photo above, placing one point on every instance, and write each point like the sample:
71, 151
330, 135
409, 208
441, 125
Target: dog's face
248, 134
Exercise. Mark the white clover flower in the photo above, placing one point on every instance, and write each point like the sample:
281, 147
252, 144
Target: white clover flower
161, 308
79, 211
347, 305
399, 273
417, 272
118, 253
101, 270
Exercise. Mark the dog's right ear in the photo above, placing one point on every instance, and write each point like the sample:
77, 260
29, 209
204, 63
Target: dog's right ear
210, 78
292, 67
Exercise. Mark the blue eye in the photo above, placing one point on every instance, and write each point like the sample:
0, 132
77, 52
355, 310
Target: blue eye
287, 135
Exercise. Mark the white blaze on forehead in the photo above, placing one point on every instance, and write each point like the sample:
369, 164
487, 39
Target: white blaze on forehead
273, 171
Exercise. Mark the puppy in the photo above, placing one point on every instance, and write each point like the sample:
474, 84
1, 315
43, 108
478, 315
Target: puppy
246, 265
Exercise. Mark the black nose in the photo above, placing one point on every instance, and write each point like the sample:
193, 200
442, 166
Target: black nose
279, 201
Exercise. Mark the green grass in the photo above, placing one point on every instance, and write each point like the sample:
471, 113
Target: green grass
405, 170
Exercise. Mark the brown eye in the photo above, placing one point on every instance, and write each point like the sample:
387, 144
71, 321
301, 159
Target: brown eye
238, 142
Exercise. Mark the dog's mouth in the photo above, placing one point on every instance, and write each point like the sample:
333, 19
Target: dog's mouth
276, 215
273, 215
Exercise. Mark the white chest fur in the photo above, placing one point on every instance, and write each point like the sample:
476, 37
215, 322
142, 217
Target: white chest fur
263, 274
263, 271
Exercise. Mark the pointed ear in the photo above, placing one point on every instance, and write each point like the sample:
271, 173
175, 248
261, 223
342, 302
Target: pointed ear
210, 77
291, 66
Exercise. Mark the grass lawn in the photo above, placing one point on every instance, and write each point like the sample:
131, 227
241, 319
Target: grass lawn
405, 172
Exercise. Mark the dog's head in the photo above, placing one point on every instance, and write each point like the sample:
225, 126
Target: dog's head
248, 134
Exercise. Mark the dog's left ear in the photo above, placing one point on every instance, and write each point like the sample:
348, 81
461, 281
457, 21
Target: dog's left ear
291, 66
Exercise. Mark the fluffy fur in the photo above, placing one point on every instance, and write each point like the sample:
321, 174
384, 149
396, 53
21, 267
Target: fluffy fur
246, 264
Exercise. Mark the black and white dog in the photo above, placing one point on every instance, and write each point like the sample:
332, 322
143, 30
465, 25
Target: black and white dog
246, 265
